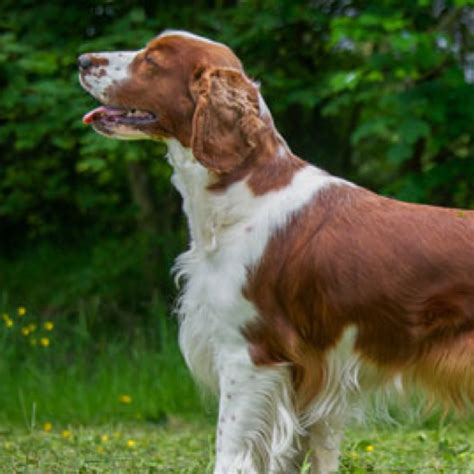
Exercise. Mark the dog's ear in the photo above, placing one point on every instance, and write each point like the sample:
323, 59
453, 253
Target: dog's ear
226, 121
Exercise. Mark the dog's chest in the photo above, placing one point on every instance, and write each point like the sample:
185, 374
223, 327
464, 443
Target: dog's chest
212, 296
229, 234
212, 308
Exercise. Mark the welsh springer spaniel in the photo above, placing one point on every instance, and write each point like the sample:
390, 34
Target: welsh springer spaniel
302, 290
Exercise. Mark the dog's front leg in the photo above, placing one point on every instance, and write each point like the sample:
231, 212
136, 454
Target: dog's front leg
254, 403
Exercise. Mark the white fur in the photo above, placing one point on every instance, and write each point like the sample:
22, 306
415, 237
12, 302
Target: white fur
98, 79
326, 416
187, 34
342, 380
229, 232
263, 108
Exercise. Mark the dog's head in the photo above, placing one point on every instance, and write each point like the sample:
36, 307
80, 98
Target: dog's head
179, 86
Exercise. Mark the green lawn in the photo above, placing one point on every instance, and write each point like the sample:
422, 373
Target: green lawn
183, 447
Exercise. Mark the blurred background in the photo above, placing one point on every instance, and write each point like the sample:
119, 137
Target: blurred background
379, 92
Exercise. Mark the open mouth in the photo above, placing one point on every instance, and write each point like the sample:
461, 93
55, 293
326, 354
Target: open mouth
114, 115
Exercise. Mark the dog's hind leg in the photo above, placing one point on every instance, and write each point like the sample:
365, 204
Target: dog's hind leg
321, 445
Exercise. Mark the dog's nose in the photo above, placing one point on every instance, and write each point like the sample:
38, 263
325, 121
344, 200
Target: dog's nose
84, 62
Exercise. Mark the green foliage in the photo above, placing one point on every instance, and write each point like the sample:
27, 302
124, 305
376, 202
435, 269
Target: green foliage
375, 79
82, 282
404, 77
55, 173
381, 85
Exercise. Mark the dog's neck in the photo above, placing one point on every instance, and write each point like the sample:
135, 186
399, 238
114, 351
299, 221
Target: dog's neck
209, 212
215, 206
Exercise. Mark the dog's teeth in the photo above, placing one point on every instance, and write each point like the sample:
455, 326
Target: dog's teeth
136, 113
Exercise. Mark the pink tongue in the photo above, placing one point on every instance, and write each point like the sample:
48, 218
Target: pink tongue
98, 111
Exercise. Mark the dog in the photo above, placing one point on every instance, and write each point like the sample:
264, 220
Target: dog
302, 291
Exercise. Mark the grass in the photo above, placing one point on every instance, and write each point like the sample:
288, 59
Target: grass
62, 363
187, 448
446, 449
109, 448
30, 396
121, 382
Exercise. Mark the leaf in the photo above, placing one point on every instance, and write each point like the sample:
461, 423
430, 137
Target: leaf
374, 76
412, 129
344, 80
306, 97
375, 127
399, 153
91, 164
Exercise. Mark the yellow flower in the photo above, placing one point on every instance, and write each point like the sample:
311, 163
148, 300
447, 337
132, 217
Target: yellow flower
21, 311
47, 427
104, 438
32, 327
44, 341
131, 443
100, 449
25, 331
48, 325
125, 399
66, 434
9, 323
369, 448
7, 320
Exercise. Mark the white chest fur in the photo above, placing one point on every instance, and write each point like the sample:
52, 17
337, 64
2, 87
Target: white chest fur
229, 233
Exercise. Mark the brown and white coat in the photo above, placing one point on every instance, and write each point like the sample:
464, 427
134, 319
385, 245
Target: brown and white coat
301, 290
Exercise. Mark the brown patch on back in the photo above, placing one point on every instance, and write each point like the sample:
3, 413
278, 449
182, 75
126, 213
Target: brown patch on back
402, 274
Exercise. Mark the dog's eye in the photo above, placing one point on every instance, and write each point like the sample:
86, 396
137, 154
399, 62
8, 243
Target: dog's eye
149, 60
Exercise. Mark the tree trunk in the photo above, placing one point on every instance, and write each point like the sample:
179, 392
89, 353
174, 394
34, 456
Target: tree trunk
143, 196
148, 219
